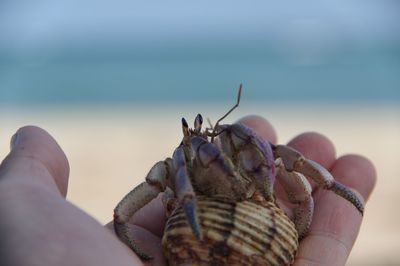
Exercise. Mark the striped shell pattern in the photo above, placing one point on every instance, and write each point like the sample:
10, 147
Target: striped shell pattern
234, 233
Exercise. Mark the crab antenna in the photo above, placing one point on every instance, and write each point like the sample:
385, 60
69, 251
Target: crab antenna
209, 122
233, 108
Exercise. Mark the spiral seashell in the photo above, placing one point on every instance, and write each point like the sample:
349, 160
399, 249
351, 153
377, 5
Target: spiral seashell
234, 233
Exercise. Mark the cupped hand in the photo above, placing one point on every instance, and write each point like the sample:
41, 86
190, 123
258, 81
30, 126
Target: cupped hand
39, 227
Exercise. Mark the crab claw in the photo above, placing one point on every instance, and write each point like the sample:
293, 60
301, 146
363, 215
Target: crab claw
190, 209
187, 199
185, 193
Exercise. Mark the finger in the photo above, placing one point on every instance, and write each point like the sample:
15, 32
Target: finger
316, 147
336, 222
261, 126
364, 173
151, 217
36, 157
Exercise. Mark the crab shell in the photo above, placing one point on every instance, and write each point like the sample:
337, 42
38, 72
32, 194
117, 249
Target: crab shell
234, 233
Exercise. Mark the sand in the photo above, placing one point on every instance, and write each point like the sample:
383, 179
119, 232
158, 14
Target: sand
110, 150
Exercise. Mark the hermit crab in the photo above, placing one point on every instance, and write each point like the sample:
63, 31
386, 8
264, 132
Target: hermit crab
219, 194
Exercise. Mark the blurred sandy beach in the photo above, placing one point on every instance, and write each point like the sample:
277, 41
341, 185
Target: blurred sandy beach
110, 150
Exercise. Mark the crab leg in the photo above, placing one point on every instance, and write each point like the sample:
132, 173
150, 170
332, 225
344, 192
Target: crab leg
298, 190
295, 161
184, 191
156, 181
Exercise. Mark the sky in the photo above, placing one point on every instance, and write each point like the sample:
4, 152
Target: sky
32, 24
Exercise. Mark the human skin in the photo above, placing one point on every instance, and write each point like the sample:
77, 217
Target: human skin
38, 226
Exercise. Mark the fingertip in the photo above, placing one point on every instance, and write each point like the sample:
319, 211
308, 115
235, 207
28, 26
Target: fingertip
356, 171
34, 143
262, 126
316, 147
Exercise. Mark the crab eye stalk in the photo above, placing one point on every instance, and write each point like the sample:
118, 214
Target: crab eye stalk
185, 128
197, 123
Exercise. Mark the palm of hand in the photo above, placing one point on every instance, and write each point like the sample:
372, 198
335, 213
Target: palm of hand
40, 227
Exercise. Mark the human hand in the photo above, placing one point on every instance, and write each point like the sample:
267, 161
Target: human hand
39, 227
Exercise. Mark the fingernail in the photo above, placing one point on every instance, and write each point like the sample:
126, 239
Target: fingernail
14, 141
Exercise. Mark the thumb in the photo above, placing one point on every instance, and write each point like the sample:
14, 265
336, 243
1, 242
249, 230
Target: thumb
36, 157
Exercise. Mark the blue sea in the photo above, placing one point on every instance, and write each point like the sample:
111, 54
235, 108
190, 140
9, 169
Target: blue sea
198, 74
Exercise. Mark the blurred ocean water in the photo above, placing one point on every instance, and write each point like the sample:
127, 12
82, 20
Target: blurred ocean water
198, 74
